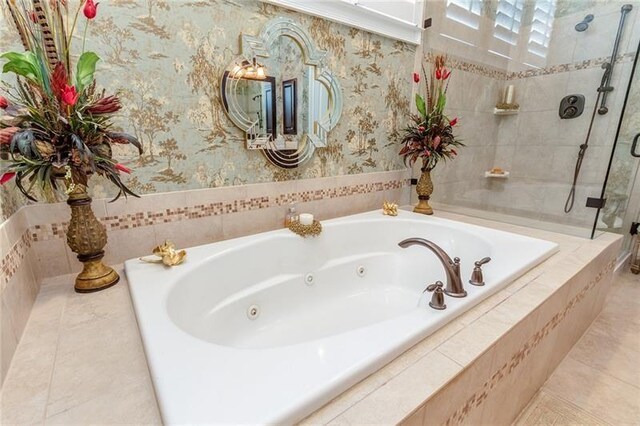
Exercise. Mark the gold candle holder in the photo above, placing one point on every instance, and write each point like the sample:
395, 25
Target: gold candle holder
305, 231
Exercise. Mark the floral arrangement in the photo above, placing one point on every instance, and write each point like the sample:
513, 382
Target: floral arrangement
430, 135
54, 123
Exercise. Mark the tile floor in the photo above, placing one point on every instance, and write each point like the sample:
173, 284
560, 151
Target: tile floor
598, 383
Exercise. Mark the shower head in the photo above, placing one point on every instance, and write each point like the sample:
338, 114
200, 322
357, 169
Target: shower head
582, 26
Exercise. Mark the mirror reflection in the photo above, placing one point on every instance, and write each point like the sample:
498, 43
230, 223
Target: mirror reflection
258, 98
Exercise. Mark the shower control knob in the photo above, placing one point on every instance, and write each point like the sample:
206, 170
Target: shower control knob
571, 106
437, 300
476, 276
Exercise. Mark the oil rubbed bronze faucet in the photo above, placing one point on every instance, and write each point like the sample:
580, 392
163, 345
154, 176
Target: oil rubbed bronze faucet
452, 267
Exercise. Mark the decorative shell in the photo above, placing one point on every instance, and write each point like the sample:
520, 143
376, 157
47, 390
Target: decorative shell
168, 254
389, 209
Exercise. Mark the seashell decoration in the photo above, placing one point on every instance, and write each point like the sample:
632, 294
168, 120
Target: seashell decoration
389, 209
168, 255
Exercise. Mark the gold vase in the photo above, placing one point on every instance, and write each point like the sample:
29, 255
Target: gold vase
424, 190
87, 237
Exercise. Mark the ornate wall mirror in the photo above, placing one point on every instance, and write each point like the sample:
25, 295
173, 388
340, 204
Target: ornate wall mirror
281, 93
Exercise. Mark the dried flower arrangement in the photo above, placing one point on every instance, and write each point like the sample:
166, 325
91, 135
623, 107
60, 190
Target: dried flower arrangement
54, 123
430, 135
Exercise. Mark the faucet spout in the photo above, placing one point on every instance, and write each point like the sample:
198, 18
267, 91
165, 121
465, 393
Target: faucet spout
452, 267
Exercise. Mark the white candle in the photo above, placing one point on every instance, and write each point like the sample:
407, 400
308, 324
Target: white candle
306, 219
509, 94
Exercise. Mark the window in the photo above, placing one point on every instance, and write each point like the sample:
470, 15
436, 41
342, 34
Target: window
465, 12
541, 26
508, 20
400, 19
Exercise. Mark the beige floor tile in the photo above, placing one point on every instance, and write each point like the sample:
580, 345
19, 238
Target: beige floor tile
609, 355
545, 409
597, 393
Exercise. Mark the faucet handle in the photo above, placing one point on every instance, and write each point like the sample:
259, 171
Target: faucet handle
456, 265
437, 300
476, 276
483, 261
434, 286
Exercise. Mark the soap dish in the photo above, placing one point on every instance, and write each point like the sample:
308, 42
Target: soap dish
502, 175
501, 111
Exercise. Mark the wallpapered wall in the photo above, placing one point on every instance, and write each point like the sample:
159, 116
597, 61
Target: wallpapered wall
166, 57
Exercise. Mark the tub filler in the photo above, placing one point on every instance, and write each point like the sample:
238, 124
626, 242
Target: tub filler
268, 328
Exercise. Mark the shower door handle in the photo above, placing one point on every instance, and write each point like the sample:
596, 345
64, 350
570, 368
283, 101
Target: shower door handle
633, 146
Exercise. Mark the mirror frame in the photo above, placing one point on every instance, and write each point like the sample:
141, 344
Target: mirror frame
258, 47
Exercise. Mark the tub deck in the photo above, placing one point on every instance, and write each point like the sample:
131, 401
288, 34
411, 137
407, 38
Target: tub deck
70, 366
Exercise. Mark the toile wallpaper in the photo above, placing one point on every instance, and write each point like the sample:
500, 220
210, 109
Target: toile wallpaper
165, 57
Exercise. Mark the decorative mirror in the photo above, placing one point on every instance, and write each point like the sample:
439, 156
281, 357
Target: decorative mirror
281, 93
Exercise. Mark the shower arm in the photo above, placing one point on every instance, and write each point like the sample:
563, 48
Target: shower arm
605, 87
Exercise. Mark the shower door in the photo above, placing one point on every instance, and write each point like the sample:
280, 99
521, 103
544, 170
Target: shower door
622, 184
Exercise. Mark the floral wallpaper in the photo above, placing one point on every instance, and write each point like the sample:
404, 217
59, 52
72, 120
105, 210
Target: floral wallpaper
166, 57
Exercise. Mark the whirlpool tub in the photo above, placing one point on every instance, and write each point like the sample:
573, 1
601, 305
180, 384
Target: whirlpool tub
267, 328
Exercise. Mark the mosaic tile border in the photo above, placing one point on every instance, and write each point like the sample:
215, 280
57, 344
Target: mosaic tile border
11, 262
13, 259
499, 74
150, 218
481, 394
576, 66
478, 68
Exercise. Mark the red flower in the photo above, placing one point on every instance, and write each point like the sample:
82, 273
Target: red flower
438, 73
416, 77
90, 9
33, 16
453, 151
69, 95
421, 129
445, 74
107, 105
59, 80
6, 177
427, 153
122, 168
3, 102
453, 122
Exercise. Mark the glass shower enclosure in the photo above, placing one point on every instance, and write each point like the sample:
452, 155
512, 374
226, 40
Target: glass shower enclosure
621, 188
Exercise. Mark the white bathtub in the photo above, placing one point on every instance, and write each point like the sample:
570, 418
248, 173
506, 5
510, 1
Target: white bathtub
210, 363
